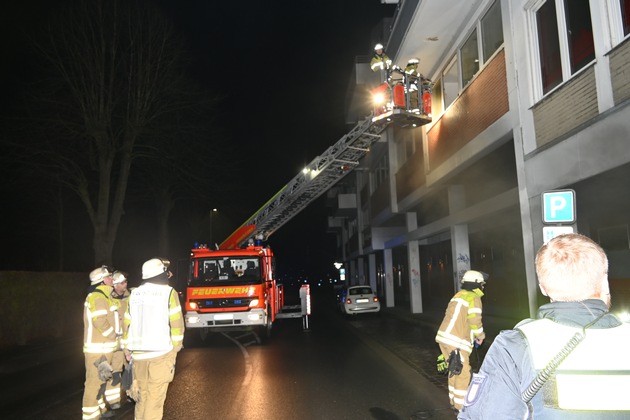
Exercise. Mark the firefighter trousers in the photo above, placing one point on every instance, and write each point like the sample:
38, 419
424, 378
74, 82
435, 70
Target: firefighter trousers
457, 384
113, 389
93, 402
153, 376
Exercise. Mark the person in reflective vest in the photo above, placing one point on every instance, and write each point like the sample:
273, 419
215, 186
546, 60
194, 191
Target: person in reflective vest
99, 342
461, 327
154, 336
119, 297
380, 60
571, 362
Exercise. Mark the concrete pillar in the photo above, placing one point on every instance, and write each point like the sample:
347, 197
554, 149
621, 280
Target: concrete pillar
389, 278
361, 271
372, 271
460, 247
413, 259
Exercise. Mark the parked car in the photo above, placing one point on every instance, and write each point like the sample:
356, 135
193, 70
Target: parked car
360, 299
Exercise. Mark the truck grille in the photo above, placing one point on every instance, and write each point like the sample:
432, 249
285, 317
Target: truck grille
223, 303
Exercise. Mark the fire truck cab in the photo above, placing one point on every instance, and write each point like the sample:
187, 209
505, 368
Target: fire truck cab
232, 289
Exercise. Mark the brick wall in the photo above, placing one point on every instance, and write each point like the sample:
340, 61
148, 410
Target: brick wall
620, 72
483, 102
571, 105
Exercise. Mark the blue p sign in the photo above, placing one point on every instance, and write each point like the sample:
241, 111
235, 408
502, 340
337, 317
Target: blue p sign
559, 206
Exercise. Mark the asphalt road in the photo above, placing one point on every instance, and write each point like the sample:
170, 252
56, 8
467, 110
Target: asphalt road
364, 367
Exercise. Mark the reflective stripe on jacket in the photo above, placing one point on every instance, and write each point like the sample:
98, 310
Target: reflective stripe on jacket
462, 321
99, 321
593, 376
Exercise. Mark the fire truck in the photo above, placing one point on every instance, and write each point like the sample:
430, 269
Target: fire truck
235, 289
234, 285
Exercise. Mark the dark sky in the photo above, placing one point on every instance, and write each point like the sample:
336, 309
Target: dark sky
283, 68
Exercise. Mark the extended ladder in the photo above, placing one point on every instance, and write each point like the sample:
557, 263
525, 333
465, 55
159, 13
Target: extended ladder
316, 178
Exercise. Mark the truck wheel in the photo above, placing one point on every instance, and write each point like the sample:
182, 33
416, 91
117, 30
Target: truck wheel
264, 331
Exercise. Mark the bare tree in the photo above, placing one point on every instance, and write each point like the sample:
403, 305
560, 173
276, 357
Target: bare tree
116, 74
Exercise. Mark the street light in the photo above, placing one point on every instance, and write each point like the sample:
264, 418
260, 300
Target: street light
211, 213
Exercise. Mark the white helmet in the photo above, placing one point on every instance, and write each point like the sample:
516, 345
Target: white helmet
119, 277
413, 61
99, 274
154, 267
473, 276
378, 47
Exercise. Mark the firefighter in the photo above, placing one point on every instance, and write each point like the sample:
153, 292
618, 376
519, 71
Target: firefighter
380, 60
154, 335
99, 343
460, 328
412, 77
591, 382
119, 298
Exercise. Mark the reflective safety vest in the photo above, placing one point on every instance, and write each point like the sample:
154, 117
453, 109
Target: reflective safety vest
595, 375
149, 318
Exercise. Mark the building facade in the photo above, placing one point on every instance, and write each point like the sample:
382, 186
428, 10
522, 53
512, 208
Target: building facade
529, 96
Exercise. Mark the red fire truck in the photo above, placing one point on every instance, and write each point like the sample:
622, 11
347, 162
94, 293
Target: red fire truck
235, 289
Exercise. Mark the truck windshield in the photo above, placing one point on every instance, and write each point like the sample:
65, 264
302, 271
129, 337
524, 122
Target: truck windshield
225, 270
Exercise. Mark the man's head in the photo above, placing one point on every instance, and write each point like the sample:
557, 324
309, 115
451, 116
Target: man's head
378, 48
101, 275
155, 270
572, 268
119, 282
413, 62
473, 279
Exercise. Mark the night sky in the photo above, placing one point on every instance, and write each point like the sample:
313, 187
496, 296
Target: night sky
282, 69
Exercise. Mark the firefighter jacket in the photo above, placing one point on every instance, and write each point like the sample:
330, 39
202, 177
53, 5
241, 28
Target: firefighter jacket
380, 62
155, 324
119, 306
462, 321
99, 321
591, 383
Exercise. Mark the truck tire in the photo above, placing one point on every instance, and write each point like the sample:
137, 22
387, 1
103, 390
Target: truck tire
264, 331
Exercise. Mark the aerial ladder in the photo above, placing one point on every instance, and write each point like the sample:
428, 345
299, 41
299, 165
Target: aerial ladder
403, 102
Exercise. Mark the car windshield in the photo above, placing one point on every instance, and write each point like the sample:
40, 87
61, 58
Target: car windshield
360, 291
224, 270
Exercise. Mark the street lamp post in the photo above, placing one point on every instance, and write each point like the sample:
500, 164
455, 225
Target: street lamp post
211, 213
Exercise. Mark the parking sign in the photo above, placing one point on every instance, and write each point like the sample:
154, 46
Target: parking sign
559, 207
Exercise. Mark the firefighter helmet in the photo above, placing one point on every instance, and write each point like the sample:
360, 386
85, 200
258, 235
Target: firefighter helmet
473, 276
119, 277
378, 47
413, 61
99, 274
154, 267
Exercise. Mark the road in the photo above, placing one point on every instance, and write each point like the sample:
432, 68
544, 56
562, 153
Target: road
337, 369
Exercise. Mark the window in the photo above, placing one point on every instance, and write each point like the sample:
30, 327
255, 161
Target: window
549, 46
492, 31
470, 58
450, 80
380, 173
486, 38
580, 33
562, 56
625, 15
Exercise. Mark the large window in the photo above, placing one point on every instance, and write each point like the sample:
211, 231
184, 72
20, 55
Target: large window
450, 82
470, 58
491, 31
625, 15
562, 56
486, 38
